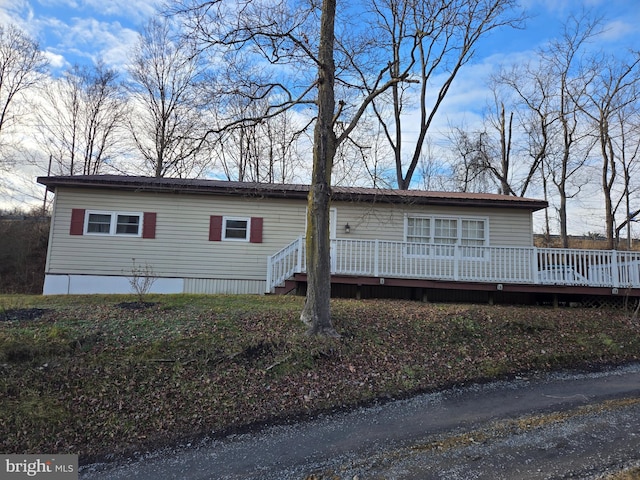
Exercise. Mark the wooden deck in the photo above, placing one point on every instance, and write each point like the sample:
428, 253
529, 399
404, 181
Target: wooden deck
364, 268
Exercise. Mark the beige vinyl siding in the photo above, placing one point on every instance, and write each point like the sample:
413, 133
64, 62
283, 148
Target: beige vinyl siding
181, 247
507, 227
369, 221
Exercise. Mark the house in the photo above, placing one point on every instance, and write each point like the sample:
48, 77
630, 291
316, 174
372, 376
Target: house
210, 236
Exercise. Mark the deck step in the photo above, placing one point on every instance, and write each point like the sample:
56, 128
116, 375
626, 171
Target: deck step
287, 287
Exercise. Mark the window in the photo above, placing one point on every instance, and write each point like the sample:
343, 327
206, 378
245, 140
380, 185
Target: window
235, 228
113, 223
419, 234
418, 229
438, 236
99, 223
127, 224
473, 238
473, 232
445, 236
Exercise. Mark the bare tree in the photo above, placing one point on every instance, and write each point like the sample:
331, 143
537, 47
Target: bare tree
263, 151
316, 313
613, 91
363, 159
432, 169
514, 138
503, 125
81, 119
279, 37
471, 170
486, 157
432, 40
534, 89
628, 120
22, 65
166, 118
564, 61
551, 89
281, 135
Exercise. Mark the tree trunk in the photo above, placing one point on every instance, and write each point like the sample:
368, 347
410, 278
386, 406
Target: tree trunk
317, 310
564, 234
608, 178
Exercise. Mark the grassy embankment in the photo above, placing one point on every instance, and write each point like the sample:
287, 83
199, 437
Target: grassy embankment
88, 375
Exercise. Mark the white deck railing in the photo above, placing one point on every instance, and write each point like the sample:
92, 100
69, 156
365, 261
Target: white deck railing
526, 265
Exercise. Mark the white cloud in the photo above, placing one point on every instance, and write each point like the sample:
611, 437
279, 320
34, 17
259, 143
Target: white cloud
89, 39
59, 3
81, 31
618, 30
116, 53
137, 11
56, 61
19, 13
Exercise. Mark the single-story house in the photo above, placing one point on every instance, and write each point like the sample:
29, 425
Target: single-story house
210, 236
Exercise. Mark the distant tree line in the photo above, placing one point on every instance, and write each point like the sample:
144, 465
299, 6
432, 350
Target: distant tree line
23, 254
207, 93
565, 120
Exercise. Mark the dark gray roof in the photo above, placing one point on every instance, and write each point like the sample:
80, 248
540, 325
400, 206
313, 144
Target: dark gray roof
292, 191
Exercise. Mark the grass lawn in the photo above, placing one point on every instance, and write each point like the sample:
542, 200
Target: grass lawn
96, 376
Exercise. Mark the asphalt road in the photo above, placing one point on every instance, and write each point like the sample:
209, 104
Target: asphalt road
565, 425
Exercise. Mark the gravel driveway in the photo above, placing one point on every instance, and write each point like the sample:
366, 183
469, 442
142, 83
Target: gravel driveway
565, 425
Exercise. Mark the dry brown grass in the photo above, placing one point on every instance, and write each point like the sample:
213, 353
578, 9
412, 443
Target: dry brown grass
86, 375
627, 474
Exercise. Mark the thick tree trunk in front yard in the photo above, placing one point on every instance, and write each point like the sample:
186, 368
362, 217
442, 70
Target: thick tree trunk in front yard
317, 310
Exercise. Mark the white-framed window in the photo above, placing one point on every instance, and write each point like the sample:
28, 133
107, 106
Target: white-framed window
113, 223
445, 236
473, 237
438, 235
236, 229
418, 233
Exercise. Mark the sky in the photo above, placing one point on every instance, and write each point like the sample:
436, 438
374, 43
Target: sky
81, 31
84, 31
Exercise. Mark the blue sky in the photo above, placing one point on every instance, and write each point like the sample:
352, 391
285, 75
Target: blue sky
80, 31
621, 19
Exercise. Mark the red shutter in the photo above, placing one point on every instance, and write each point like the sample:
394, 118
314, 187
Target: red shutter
149, 225
77, 221
256, 230
215, 228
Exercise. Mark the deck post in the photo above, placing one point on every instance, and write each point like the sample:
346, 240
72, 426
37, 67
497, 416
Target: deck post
299, 260
534, 265
269, 274
456, 262
376, 252
615, 271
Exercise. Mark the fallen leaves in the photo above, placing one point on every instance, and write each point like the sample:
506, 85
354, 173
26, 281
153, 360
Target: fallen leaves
122, 380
